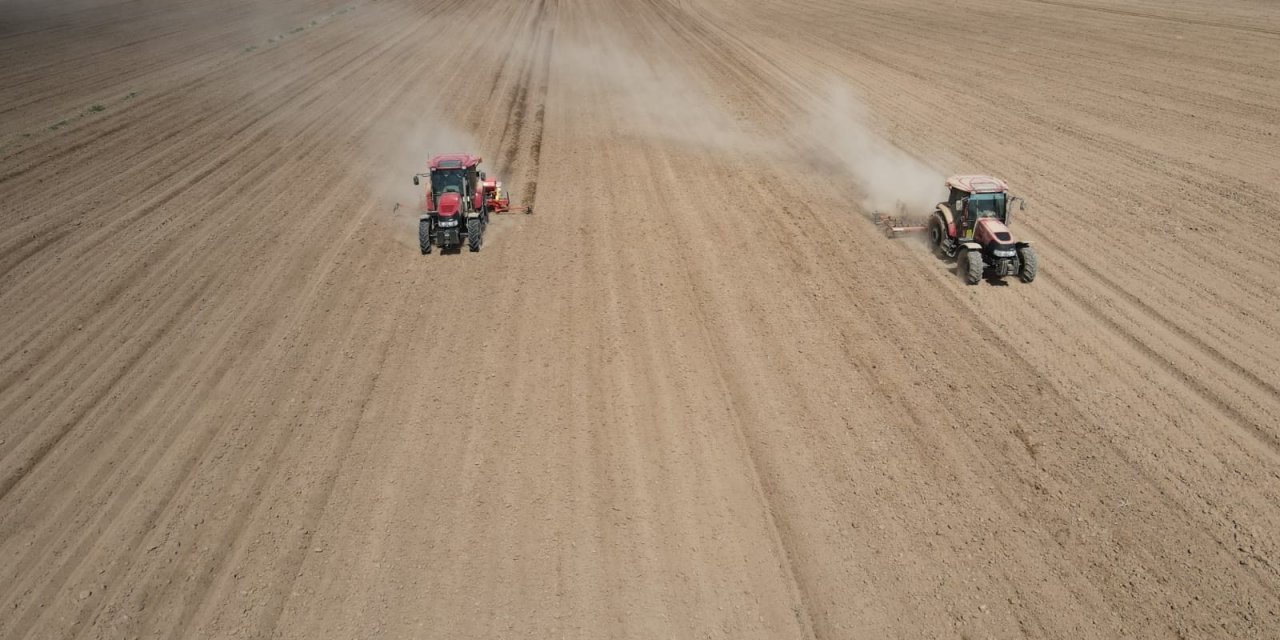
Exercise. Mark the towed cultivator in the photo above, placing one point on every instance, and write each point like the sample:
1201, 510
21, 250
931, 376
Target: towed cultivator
900, 222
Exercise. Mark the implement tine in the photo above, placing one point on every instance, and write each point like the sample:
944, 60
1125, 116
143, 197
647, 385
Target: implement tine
899, 223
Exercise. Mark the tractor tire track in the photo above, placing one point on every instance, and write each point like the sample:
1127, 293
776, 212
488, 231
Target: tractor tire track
1164, 18
703, 398
523, 130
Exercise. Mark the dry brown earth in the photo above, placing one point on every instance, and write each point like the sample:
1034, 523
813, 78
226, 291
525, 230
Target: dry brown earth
695, 395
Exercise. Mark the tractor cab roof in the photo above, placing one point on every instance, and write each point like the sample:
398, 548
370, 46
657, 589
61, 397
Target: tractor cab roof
977, 184
453, 161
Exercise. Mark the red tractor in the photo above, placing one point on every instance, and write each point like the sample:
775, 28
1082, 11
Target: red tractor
972, 226
457, 203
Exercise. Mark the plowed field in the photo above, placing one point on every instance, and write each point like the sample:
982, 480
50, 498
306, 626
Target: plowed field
697, 393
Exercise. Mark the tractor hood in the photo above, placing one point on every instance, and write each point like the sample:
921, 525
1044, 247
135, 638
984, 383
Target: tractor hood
450, 203
991, 231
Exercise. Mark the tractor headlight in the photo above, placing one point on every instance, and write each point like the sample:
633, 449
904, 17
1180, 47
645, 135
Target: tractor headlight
447, 223
1005, 253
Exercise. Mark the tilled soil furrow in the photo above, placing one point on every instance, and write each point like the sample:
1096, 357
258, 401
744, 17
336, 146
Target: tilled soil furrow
698, 394
234, 152
1146, 15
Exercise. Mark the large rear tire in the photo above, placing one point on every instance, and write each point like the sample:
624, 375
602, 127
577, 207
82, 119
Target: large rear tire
969, 266
1030, 264
424, 236
936, 236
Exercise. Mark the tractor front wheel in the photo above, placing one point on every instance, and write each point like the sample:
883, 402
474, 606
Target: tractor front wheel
969, 266
475, 234
1027, 256
424, 236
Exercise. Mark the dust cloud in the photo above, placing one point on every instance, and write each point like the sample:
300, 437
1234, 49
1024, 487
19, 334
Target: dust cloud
655, 98
659, 101
839, 123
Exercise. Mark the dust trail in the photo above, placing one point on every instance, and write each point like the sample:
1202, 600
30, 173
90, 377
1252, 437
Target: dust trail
840, 124
655, 99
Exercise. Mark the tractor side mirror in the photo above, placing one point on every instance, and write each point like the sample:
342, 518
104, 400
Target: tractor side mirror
962, 205
1022, 204
482, 176
415, 181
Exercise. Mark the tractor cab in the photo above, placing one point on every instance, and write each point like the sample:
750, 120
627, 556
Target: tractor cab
973, 198
451, 174
448, 181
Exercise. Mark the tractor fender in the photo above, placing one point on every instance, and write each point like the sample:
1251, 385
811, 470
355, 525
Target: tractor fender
946, 229
971, 246
942, 220
948, 221
425, 216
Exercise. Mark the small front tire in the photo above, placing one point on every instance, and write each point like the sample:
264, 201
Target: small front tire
1029, 264
969, 266
424, 236
475, 234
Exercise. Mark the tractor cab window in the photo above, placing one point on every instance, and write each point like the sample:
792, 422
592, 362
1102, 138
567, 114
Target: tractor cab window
986, 205
954, 201
447, 180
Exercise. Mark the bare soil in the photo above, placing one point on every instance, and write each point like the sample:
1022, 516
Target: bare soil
697, 394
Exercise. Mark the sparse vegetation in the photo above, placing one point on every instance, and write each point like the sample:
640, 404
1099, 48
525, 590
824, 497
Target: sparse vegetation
95, 108
312, 24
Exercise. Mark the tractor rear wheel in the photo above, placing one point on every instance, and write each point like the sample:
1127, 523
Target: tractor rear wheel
969, 266
1027, 256
936, 236
424, 236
